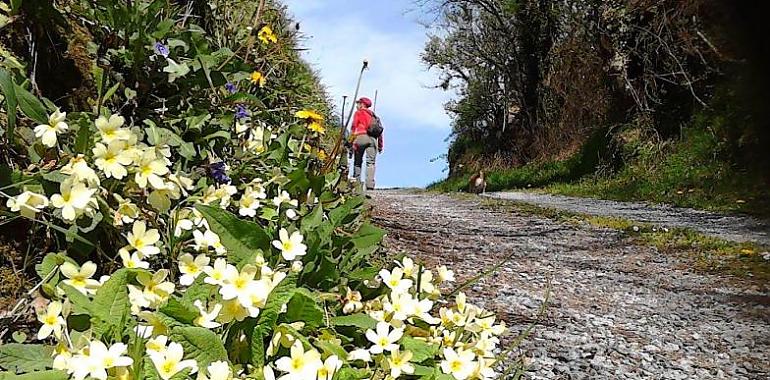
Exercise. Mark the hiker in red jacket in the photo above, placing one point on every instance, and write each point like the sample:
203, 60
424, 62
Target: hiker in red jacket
364, 142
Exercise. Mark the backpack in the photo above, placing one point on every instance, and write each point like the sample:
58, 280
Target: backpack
375, 126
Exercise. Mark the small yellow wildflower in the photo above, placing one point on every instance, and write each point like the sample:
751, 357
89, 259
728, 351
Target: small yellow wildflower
314, 120
258, 79
266, 35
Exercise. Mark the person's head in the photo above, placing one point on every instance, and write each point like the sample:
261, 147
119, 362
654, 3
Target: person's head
364, 103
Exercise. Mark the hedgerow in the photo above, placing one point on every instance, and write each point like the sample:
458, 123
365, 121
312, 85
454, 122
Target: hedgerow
187, 226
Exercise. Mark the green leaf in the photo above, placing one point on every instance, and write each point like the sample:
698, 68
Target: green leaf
80, 302
9, 92
31, 106
241, 238
175, 70
180, 310
40, 375
268, 318
421, 350
25, 357
50, 262
303, 308
360, 320
362, 274
110, 92
368, 236
84, 139
199, 290
331, 348
348, 373
111, 304
312, 220
197, 121
200, 344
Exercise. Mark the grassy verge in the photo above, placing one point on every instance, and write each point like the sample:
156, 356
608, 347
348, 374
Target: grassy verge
690, 172
709, 254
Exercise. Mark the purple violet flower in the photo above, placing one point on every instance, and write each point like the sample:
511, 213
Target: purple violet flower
231, 88
241, 112
161, 49
218, 171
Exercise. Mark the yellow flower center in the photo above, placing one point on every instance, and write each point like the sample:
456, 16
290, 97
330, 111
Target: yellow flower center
78, 281
287, 246
50, 320
240, 283
456, 365
168, 367
383, 341
297, 363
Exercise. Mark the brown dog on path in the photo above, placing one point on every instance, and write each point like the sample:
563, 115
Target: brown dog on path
477, 184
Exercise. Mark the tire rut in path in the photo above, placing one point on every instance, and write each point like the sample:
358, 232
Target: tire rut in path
617, 310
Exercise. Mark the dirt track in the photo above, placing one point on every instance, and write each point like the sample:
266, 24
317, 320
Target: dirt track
617, 310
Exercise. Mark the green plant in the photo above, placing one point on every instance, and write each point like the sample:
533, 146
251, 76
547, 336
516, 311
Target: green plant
189, 226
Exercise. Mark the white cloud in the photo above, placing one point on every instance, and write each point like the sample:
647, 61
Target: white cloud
338, 44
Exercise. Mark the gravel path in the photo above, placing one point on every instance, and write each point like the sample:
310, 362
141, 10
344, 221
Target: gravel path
733, 228
617, 311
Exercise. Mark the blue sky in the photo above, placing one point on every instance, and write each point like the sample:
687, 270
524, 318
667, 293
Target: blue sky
339, 35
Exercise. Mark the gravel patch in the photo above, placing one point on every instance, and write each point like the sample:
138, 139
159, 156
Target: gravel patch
617, 310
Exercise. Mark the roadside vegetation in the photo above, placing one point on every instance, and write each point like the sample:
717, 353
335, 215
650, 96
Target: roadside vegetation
166, 212
648, 100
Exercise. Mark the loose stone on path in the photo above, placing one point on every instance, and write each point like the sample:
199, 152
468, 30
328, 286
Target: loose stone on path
617, 310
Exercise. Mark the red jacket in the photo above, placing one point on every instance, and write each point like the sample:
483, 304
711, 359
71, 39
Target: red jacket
361, 121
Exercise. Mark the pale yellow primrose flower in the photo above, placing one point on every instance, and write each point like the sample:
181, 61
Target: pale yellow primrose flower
112, 159
238, 284
110, 129
398, 363
206, 318
395, 280
52, 321
206, 240
445, 275
384, 339
47, 133
126, 212
156, 290
460, 364
170, 362
80, 279
216, 275
218, 371
290, 246
150, 168
301, 365
132, 260
73, 200
191, 267
28, 204
100, 359
331, 365
143, 240
79, 171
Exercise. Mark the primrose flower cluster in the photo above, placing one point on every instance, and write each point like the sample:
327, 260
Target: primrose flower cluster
464, 337
174, 265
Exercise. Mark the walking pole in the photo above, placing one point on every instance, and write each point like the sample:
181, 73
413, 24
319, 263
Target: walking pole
374, 108
343, 134
358, 87
342, 114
